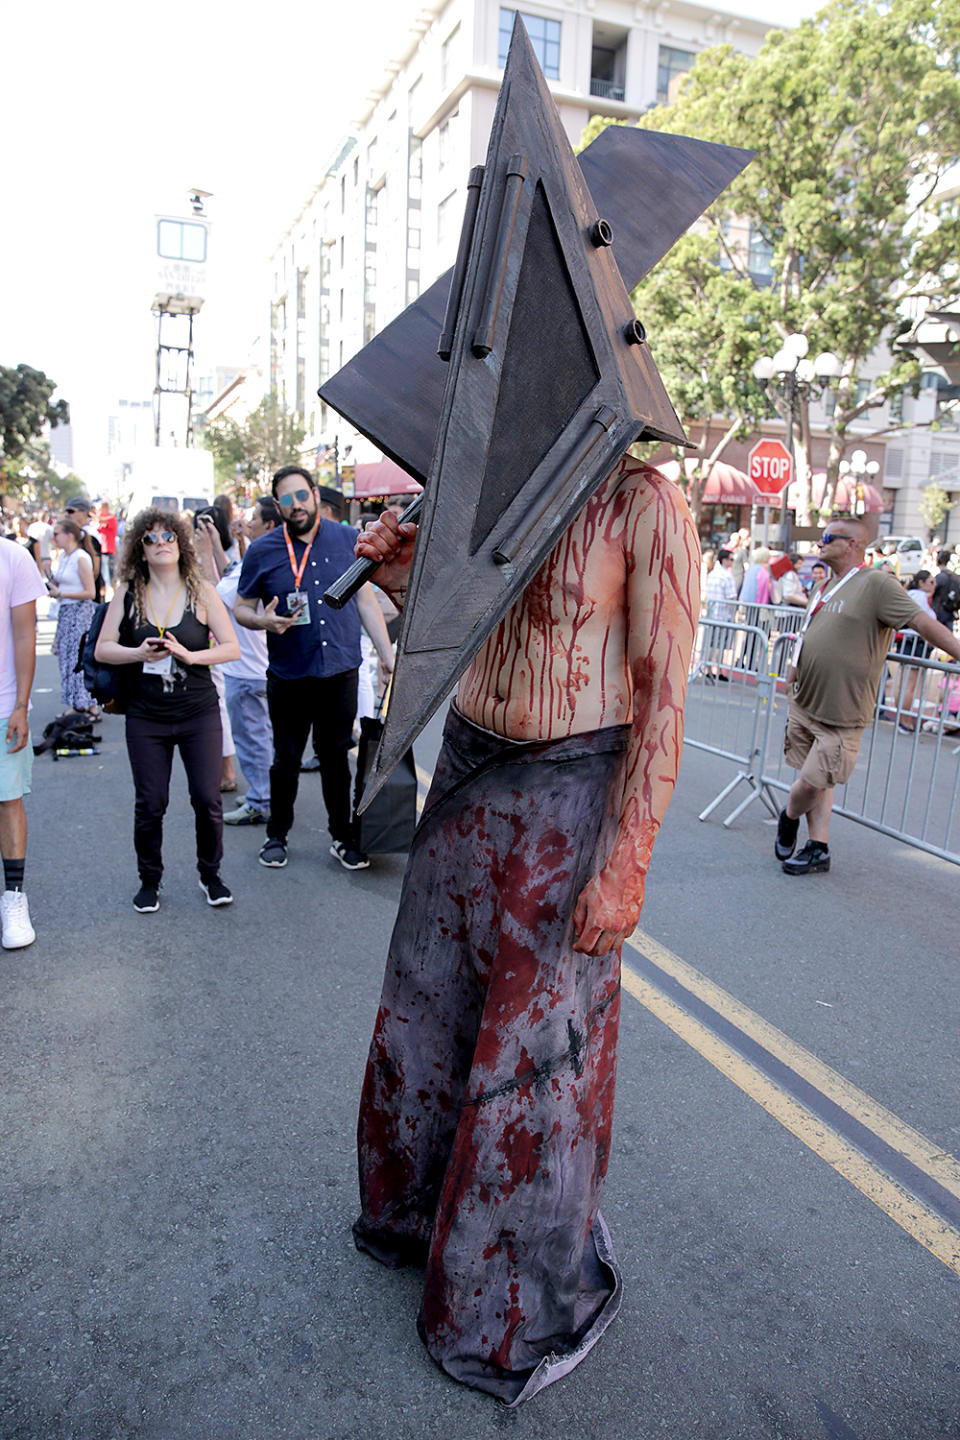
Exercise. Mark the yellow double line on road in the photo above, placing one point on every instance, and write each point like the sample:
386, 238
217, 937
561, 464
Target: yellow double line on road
912, 1162
913, 1181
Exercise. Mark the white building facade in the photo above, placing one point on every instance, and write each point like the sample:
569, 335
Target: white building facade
384, 221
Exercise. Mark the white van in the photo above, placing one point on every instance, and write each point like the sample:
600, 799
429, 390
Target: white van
172, 479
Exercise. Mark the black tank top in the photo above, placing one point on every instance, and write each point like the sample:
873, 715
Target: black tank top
188, 690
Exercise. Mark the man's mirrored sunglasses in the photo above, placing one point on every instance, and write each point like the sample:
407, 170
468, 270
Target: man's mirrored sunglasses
154, 538
301, 497
829, 535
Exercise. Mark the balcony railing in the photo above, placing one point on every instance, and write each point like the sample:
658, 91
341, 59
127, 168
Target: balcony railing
606, 89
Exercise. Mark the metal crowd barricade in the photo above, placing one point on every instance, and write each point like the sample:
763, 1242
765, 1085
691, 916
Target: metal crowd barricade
727, 698
907, 778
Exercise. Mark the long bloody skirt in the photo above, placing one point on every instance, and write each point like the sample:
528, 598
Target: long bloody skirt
486, 1113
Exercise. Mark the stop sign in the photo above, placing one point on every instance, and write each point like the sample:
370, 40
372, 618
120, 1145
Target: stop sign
770, 467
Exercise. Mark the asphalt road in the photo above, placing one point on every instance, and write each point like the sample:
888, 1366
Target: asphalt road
177, 1107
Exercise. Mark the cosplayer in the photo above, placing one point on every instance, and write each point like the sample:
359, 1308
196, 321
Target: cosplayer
485, 1120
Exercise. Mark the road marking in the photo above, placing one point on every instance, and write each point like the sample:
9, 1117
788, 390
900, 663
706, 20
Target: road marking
884, 1158
878, 1153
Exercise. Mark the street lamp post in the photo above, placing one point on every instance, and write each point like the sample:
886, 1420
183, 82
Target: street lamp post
860, 468
789, 378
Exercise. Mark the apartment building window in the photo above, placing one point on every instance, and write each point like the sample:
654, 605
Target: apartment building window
671, 65
760, 255
896, 408
301, 384
301, 293
356, 170
446, 218
544, 37
445, 141
343, 194
446, 52
370, 266
415, 169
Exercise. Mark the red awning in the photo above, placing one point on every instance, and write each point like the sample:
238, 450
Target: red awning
726, 485
383, 477
845, 496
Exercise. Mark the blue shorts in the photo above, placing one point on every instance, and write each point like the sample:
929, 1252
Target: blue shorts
15, 770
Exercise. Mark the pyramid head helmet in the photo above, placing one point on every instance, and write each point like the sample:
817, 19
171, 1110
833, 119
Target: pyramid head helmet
550, 380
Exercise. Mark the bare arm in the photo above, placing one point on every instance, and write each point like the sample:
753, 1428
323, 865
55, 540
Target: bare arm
371, 617
935, 633
24, 621
108, 649
663, 602
221, 626
245, 613
85, 571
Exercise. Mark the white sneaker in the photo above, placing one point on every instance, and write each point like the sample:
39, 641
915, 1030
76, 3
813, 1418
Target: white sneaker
15, 918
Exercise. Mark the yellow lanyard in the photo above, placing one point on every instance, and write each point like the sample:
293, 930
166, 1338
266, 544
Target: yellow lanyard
153, 613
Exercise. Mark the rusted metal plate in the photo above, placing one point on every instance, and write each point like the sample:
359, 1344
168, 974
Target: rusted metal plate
650, 188
549, 382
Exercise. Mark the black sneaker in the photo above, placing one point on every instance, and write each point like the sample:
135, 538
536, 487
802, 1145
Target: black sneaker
786, 841
216, 892
147, 899
813, 856
273, 853
349, 859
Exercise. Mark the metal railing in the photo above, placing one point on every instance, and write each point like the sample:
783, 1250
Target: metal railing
606, 89
906, 782
727, 699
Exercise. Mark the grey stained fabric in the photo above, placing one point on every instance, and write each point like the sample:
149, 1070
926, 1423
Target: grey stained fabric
486, 1113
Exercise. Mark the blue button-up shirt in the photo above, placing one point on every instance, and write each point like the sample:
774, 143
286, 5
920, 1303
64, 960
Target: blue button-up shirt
330, 644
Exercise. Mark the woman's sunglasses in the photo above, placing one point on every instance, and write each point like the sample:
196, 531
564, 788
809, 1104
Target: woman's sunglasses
168, 536
301, 497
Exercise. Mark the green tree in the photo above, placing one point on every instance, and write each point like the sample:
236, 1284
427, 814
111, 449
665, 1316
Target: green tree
25, 409
934, 505
704, 328
271, 436
855, 118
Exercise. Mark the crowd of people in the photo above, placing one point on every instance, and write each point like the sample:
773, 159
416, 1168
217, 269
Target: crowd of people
217, 626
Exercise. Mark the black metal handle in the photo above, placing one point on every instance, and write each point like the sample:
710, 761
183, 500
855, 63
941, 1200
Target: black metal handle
346, 586
445, 343
513, 185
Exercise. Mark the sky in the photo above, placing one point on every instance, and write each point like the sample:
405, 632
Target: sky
112, 110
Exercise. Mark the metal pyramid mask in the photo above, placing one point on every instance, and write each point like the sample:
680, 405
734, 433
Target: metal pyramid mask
549, 382
649, 186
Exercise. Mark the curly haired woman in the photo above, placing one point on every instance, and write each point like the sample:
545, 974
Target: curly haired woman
160, 621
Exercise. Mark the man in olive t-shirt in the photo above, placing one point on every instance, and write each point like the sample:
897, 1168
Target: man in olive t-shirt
835, 672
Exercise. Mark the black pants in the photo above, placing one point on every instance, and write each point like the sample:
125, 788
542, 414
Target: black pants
150, 745
329, 707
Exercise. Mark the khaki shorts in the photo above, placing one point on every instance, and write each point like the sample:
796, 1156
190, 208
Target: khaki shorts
824, 754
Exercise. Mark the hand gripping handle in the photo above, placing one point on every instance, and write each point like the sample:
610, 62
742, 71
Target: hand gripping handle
352, 580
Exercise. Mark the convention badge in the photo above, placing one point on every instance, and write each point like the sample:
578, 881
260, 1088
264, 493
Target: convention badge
164, 666
298, 606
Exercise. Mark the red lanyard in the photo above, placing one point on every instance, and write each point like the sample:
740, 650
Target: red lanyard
822, 597
298, 573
